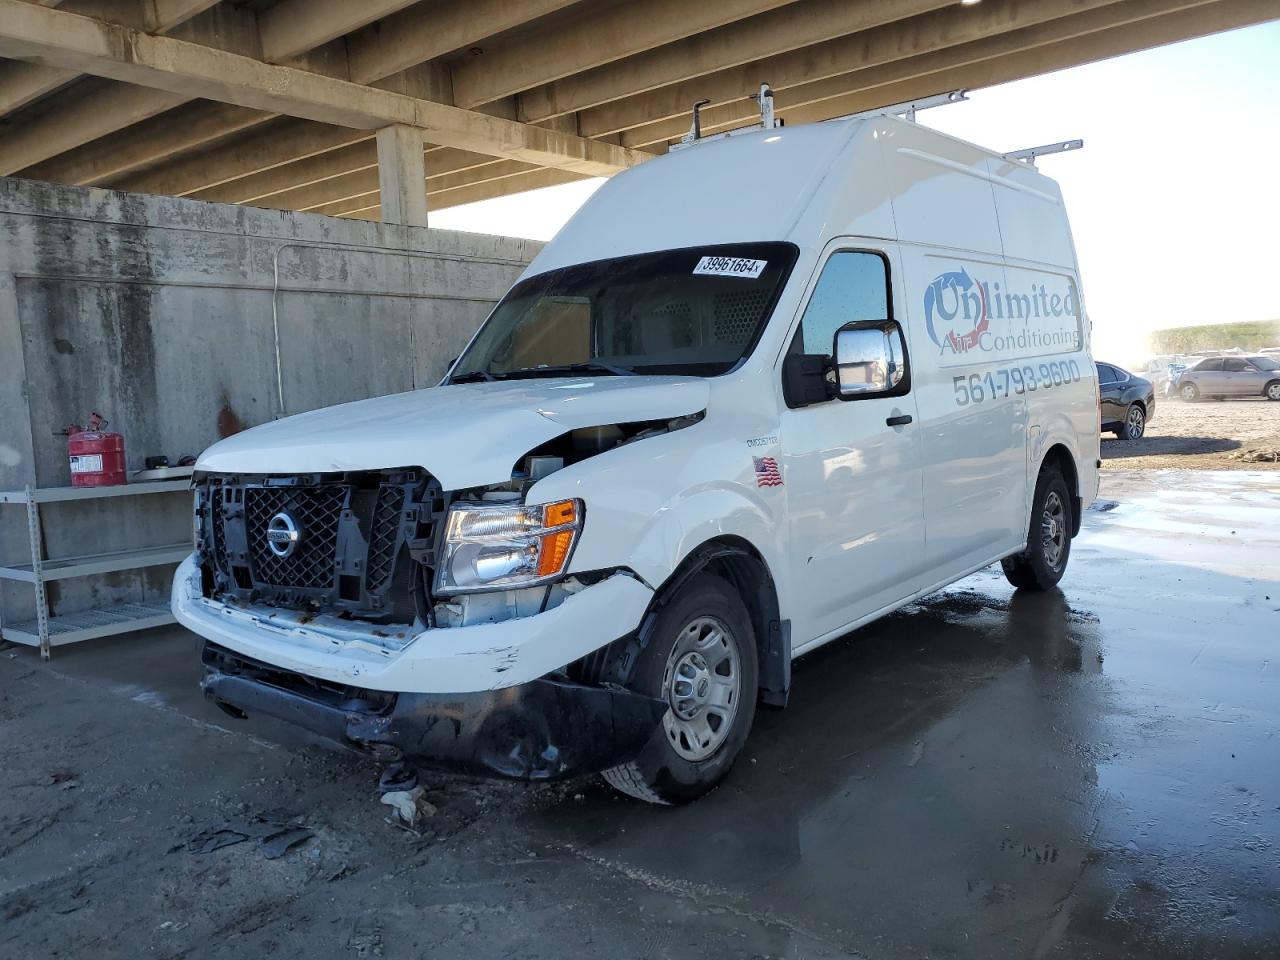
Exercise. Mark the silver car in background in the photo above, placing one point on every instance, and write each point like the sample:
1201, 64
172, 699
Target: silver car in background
1220, 377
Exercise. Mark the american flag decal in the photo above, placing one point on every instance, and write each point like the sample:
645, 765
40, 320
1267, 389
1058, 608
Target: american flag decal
767, 474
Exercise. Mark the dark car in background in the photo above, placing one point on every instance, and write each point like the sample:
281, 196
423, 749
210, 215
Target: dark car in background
1222, 377
1128, 401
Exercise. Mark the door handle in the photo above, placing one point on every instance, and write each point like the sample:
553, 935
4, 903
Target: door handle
899, 421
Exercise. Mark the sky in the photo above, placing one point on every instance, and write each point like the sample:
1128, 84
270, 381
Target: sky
1174, 200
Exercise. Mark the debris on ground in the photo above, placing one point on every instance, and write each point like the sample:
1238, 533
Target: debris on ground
1241, 434
274, 838
410, 806
1264, 451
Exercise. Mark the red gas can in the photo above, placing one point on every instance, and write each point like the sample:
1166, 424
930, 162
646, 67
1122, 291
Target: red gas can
97, 457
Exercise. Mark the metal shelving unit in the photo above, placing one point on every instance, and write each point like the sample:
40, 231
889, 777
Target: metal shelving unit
47, 632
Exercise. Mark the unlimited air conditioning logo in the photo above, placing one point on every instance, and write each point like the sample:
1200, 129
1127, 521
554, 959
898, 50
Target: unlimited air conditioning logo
945, 299
963, 313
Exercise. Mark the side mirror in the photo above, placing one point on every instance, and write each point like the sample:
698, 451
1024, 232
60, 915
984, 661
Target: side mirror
870, 359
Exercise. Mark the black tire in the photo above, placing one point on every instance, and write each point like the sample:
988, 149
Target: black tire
663, 772
1189, 392
1272, 390
1041, 565
1134, 424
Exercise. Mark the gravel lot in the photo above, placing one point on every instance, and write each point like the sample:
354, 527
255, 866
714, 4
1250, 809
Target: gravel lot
1208, 435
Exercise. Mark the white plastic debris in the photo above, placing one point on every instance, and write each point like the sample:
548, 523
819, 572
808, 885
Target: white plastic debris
410, 805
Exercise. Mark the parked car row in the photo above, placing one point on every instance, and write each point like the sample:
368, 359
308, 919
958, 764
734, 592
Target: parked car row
1127, 401
1221, 377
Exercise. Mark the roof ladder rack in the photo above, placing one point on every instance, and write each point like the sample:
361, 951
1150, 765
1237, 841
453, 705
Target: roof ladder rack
907, 109
1029, 155
767, 120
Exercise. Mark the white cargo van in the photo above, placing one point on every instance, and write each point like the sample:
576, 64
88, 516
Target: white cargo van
756, 393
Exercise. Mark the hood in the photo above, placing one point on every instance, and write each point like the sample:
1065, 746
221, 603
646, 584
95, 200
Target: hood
464, 434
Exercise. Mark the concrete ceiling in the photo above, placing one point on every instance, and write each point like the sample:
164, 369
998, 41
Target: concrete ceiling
277, 103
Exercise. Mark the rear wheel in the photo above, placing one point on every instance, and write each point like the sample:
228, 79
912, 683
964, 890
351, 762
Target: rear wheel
1272, 391
1041, 565
701, 659
1134, 425
1189, 392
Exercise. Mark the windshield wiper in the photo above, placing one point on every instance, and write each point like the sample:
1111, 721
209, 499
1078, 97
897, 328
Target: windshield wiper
473, 375
587, 366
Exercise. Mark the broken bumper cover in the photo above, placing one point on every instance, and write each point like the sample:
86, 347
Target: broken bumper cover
546, 729
480, 657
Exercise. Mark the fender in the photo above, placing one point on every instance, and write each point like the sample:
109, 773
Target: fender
670, 538
1059, 431
650, 503
738, 561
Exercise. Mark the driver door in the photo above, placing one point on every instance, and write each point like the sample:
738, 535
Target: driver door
853, 467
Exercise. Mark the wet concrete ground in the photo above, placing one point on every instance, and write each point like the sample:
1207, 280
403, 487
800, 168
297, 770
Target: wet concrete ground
1090, 773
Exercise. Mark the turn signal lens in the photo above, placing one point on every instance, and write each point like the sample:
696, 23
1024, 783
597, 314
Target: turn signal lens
555, 551
560, 514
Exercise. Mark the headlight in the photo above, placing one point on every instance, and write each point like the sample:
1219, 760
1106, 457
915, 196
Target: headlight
499, 546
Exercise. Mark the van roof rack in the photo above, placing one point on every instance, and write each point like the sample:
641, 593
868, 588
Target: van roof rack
907, 108
767, 121
1029, 155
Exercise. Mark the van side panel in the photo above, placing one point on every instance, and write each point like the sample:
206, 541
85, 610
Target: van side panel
1033, 220
940, 187
973, 409
1040, 252
1062, 409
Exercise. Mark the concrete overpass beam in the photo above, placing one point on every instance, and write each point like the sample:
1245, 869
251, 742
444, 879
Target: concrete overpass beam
597, 37
194, 70
293, 27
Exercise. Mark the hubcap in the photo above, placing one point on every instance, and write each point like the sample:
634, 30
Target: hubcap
1273, 391
1188, 392
1135, 423
1053, 530
701, 685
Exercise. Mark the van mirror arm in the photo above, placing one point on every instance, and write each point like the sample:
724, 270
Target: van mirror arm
806, 379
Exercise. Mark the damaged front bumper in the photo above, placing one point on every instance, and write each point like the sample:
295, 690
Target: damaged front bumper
445, 660
545, 729
486, 699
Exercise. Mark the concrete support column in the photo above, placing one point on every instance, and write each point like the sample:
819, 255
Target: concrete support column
402, 175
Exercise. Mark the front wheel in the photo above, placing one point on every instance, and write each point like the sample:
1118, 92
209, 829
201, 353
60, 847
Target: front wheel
1041, 565
1135, 424
1273, 390
1189, 392
700, 657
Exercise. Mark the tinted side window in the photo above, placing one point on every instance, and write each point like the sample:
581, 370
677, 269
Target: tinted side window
854, 285
1106, 373
1209, 365
1234, 366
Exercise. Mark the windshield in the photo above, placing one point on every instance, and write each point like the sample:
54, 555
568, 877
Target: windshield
1264, 363
696, 312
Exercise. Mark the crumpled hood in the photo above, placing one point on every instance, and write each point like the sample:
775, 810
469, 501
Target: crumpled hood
465, 434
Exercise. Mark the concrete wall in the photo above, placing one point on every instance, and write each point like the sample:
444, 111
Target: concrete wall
158, 313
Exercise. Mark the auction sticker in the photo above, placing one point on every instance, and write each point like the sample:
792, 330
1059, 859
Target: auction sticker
730, 267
